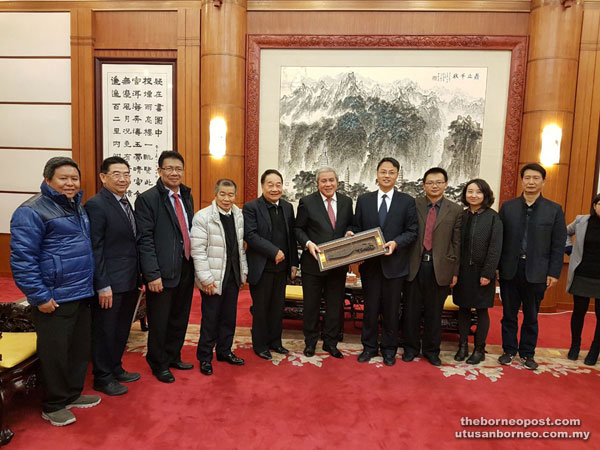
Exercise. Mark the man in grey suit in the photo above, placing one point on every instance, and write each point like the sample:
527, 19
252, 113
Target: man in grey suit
434, 264
322, 217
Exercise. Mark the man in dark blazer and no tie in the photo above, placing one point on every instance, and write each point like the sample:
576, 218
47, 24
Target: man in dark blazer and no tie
531, 261
434, 265
272, 257
322, 217
164, 216
116, 276
383, 277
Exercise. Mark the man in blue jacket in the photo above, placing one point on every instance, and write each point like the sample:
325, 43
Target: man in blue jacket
52, 263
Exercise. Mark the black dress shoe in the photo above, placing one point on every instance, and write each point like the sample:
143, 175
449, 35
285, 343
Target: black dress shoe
309, 351
333, 351
407, 357
389, 360
231, 359
206, 368
180, 365
164, 376
265, 354
280, 349
127, 377
365, 357
112, 388
434, 360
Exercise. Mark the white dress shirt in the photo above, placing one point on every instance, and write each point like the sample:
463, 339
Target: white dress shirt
388, 201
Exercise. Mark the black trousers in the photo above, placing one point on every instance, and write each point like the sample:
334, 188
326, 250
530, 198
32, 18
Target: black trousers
268, 297
331, 288
425, 297
218, 321
382, 296
110, 331
63, 346
580, 307
514, 293
168, 314
483, 325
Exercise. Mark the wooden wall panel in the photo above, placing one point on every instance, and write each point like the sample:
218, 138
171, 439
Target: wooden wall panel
584, 157
5, 255
391, 22
135, 29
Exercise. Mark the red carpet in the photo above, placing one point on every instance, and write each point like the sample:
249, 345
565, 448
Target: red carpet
321, 402
9, 292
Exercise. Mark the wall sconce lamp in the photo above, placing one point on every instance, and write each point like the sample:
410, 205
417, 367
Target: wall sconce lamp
218, 137
217, 3
551, 137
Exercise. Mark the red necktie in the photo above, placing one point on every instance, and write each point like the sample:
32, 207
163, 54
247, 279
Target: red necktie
184, 230
330, 213
428, 238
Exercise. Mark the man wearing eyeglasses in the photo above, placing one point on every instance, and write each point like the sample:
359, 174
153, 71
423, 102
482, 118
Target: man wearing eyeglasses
434, 264
164, 218
116, 276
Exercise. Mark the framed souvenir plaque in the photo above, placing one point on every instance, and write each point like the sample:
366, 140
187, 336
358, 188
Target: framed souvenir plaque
351, 249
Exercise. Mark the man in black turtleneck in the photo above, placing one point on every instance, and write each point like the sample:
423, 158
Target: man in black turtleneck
272, 257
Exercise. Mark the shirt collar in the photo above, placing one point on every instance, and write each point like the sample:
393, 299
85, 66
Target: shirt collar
388, 194
533, 204
333, 199
117, 196
269, 204
171, 193
438, 203
223, 212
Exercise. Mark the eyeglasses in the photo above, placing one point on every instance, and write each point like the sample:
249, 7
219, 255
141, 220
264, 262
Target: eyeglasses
437, 183
119, 175
170, 169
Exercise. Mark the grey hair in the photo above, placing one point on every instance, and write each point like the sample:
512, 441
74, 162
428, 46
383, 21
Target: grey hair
225, 182
325, 170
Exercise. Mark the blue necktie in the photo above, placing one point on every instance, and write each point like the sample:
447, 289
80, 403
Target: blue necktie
382, 210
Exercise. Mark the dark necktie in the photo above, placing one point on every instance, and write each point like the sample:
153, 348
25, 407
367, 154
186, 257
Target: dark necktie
129, 214
330, 213
382, 210
183, 226
429, 225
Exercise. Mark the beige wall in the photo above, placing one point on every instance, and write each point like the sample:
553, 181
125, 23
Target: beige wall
35, 101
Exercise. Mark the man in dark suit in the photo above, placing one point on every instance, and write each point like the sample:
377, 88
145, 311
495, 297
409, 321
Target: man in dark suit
383, 277
531, 261
164, 217
322, 217
434, 264
116, 276
272, 257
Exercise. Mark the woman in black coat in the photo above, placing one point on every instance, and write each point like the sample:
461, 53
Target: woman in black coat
481, 245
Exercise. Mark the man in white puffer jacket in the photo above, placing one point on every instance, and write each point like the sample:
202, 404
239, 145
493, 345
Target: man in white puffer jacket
217, 245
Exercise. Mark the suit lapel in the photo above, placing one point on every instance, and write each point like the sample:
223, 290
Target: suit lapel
171, 210
114, 203
444, 209
262, 207
323, 209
